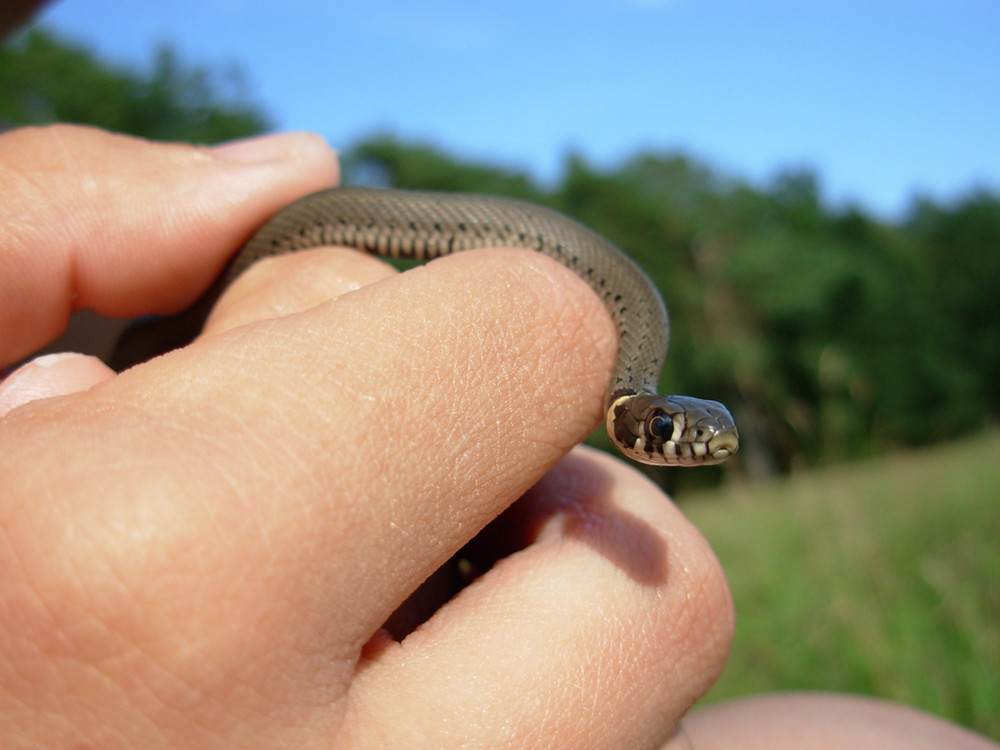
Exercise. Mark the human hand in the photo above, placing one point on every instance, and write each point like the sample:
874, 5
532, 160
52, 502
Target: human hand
200, 552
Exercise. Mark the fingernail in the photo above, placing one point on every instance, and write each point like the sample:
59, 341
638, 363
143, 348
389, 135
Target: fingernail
269, 148
51, 375
51, 360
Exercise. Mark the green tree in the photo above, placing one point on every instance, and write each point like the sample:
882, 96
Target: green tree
830, 333
961, 247
849, 350
384, 161
46, 79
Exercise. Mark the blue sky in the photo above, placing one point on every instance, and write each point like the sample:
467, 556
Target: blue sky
883, 98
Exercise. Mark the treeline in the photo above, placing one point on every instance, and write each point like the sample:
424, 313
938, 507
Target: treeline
830, 334
46, 79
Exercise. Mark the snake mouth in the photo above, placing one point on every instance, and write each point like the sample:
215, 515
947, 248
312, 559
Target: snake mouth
723, 445
695, 453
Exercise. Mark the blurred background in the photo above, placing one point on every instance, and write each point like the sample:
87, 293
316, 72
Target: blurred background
815, 187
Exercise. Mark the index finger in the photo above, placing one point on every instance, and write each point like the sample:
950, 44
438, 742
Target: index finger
126, 227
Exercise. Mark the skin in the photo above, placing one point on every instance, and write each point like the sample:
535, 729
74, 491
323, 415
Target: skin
202, 551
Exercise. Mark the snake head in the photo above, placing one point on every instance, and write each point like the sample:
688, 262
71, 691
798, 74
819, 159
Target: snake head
672, 430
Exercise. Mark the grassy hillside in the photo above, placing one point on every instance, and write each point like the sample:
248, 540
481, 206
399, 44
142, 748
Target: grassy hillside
880, 578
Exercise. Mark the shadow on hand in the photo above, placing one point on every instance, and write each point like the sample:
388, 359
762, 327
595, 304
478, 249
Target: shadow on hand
573, 502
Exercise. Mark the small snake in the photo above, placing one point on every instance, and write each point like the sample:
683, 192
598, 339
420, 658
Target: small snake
663, 430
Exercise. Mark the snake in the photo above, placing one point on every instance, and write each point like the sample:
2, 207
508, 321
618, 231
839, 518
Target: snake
422, 225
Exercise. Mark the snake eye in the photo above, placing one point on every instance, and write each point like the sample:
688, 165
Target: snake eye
660, 427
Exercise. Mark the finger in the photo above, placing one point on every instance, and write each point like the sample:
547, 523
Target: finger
788, 721
600, 633
432, 369
307, 472
13, 13
294, 282
271, 287
51, 375
126, 227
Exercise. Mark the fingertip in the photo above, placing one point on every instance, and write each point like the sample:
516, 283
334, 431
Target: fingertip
51, 375
606, 581
290, 283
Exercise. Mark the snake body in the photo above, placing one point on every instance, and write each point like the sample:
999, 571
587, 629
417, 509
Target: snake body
664, 430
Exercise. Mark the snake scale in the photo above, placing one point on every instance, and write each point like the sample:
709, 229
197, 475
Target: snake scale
653, 429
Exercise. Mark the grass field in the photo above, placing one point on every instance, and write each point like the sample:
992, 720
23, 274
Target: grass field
880, 578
